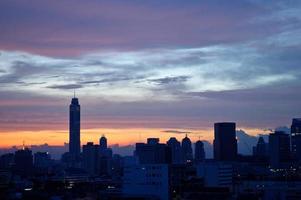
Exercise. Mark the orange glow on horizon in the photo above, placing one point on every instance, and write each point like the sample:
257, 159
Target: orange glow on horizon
121, 136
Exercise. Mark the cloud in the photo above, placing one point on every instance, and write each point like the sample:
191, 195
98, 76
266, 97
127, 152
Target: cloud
129, 25
65, 87
176, 131
170, 80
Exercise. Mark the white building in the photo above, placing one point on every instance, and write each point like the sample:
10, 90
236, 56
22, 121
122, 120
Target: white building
146, 180
216, 174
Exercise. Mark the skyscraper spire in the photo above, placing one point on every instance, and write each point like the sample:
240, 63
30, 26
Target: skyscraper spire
74, 128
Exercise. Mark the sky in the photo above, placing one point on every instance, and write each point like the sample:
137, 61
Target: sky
147, 68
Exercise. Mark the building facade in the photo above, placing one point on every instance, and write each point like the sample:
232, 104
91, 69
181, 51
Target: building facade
225, 143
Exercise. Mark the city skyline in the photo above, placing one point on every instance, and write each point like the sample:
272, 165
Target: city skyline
146, 69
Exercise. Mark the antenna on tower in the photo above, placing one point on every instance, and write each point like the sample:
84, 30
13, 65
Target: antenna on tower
74, 93
23, 147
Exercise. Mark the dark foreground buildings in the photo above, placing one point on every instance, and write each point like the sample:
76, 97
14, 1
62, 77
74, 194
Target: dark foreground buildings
158, 170
225, 144
296, 138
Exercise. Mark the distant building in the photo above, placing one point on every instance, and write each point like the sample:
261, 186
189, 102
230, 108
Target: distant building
24, 162
105, 157
153, 152
103, 144
42, 160
296, 138
225, 143
146, 181
176, 150
216, 174
91, 158
7, 160
279, 149
117, 166
74, 129
153, 141
187, 149
199, 152
261, 148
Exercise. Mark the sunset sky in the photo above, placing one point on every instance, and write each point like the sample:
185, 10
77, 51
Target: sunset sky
147, 68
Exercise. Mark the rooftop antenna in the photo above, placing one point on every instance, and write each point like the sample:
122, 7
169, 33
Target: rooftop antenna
23, 147
74, 93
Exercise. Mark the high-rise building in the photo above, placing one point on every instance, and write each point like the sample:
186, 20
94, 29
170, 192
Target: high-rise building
216, 174
91, 158
74, 129
279, 149
146, 181
153, 141
7, 160
187, 149
153, 153
42, 160
105, 157
24, 162
296, 138
225, 143
176, 150
260, 150
103, 145
199, 152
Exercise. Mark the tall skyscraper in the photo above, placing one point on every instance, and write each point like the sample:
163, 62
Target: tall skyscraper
187, 149
74, 129
279, 149
225, 143
296, 138
199, 152
176, 150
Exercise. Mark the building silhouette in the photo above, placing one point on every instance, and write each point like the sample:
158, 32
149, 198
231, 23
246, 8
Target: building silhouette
103, 144
176, 150
7, 160
260, 150
225, 143
42, 159
24, 162
105, 157
153, 152
296, 138
91, 158
216, 174
199, 152
279, 149
145, 181
74, 129
187, 149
